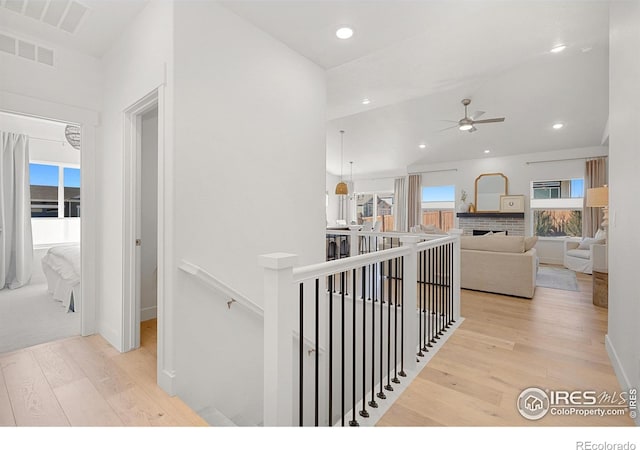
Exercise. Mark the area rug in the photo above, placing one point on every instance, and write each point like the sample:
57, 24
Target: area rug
557, 278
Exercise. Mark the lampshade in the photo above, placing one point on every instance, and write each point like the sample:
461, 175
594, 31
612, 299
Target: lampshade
342, 189
598, 197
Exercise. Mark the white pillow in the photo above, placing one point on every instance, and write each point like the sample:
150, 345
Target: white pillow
585, 243
601, 235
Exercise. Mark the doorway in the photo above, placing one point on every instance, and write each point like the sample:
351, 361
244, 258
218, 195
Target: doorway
47, 303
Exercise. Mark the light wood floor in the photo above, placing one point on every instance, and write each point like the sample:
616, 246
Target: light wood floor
86, 382
505, 344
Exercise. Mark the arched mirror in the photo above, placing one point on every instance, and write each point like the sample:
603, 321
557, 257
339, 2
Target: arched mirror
489, 188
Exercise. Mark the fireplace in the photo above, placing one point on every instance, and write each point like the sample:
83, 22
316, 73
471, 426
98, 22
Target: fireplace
472, 223
483, 232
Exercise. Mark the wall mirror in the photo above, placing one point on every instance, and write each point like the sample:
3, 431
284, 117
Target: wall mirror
489, 188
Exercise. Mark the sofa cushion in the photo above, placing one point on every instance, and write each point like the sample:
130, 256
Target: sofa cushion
585, 243
508, 244
579, 253
530, 242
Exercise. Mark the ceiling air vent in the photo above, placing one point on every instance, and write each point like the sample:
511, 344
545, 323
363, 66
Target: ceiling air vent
27, 50
63, 14
7, 44
45, 56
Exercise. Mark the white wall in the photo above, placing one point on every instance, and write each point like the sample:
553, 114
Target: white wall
520, 175
138, 63
623, 337
74, 80
149, 217
333, 210
249, 180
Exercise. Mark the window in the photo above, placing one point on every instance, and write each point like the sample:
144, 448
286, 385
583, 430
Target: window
47, 182
556, 207
438, 204
71, 192
378, 205
44, 180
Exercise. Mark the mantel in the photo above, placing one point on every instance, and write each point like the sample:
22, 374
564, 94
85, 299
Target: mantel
498, 215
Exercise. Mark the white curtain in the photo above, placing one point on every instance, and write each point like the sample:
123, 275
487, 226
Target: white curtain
16, 243
400, 204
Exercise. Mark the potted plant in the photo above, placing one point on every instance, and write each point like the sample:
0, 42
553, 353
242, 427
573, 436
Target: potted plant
463, 206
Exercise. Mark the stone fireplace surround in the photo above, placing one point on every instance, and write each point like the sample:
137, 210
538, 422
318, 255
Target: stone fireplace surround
512, 223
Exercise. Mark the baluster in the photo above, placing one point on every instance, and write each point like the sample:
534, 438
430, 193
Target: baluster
342, 367
432, 296
390, 303
380, 394
401, 297
364, 412
317, 353
353, 422
420, 304
330, 350
301, 387
373, 402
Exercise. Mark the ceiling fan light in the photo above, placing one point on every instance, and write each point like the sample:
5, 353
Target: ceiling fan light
465, 127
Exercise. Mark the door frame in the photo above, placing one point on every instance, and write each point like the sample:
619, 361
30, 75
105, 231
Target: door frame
132, 217
88, 122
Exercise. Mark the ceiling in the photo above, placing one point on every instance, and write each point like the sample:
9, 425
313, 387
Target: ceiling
417, 60
87, 26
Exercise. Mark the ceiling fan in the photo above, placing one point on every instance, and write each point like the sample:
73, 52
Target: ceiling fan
467, 123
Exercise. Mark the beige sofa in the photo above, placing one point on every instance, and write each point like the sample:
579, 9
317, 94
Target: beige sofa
501, 264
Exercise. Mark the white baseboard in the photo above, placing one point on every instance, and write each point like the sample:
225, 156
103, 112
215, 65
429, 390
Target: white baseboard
621, 374
148, 313
166, 381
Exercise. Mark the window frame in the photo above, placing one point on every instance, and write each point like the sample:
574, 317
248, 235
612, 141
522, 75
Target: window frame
61, 166
554, 204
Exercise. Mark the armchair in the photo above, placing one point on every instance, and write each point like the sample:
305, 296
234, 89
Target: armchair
579, 254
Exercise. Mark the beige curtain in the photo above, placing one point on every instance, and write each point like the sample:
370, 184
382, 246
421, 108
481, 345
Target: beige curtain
595, 175
400, 204
414, 204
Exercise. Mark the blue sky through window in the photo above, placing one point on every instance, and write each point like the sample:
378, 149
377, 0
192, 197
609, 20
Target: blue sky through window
43, 175
439, 193
71, 177
577, 188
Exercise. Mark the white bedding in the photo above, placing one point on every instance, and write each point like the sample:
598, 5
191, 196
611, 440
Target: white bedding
61, 266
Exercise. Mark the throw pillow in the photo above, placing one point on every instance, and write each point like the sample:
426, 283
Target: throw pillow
431, 229
500, 233
585, 243
530, 242
488, 233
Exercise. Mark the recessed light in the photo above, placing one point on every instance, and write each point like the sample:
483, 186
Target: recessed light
557, 126
344, 33
366, 101
487, 151
422, 145
558, 48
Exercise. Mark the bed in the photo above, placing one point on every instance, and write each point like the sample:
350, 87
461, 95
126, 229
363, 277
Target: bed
61, 266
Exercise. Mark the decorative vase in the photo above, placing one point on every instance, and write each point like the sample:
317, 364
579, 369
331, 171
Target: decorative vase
463, 207
472, 208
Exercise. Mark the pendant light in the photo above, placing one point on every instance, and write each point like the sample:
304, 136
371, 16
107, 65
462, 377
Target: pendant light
341, 187
351, 179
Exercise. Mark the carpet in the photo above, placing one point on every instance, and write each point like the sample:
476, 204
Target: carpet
557, 278
30, 316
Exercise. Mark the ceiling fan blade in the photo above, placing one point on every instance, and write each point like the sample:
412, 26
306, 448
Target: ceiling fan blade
476, 115
473, 129
497, 119
445, 120
448, 128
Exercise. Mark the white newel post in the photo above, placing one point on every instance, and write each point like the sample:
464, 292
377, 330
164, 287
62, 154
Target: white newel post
353, 240
279, 301
457, 233
409, 298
